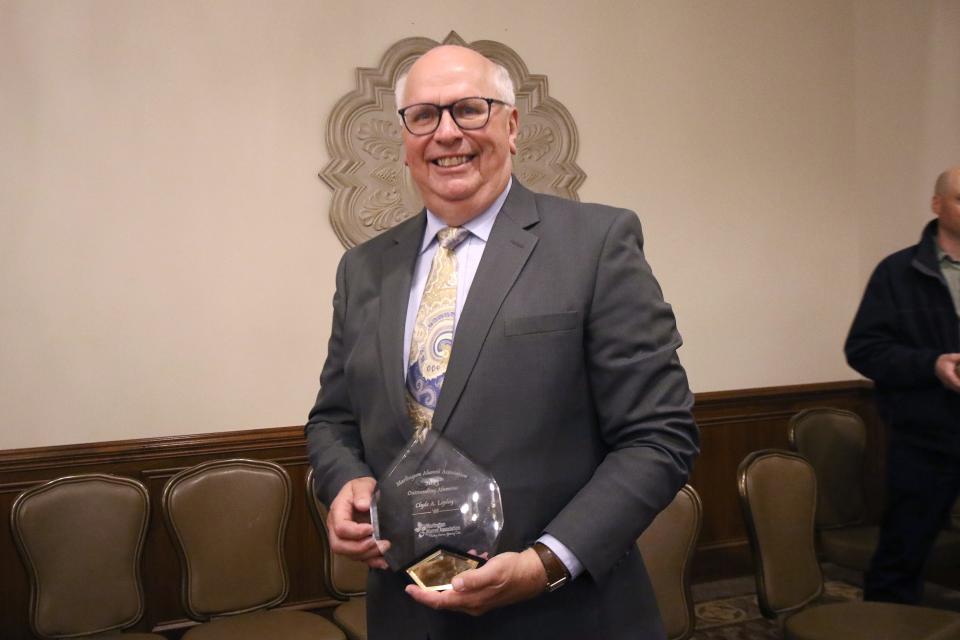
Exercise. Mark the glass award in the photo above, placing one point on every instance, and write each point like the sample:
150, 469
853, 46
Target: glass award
439, 511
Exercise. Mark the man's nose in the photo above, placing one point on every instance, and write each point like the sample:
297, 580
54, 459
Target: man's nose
447, 129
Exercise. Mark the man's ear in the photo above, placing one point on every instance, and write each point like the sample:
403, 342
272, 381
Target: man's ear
936, 203
513, 130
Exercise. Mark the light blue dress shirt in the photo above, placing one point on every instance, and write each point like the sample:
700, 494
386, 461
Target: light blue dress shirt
468, 255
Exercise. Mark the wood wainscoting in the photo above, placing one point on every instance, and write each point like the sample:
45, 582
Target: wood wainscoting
733, 423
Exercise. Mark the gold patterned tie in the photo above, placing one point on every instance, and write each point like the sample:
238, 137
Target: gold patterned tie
432, 338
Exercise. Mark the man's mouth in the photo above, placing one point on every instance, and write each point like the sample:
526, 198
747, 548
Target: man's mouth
452, 161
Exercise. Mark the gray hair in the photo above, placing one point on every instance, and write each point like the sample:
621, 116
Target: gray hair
502, 84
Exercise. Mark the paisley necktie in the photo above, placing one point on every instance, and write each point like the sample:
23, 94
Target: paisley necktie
432, 337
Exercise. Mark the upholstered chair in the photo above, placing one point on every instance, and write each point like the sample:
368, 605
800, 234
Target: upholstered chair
343, 578
81, 539
778, 495
834, 441
227, 519
667, 548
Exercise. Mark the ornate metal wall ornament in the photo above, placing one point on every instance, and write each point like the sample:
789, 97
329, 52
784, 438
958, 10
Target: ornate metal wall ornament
372, 189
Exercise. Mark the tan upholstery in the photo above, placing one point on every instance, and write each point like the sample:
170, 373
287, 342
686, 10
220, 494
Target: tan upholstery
343, 578
833, 441
228, 519
853, 547
778, 493
868, 621
81, 538
949, 632
266, 625
351, 616
779, 496
667, 547
850, 547
124, 636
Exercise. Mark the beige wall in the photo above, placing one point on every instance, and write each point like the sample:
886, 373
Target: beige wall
907, 117
166, 263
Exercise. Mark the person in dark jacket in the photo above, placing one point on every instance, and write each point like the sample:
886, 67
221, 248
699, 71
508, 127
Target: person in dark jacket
906, 338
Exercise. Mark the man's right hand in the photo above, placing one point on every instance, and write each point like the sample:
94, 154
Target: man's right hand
947, 372
348, 523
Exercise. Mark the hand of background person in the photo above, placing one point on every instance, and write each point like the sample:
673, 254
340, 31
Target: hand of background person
507, 578
947, 372
348, 524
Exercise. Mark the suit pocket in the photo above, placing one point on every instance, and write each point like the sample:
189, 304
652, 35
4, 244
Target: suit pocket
545, 323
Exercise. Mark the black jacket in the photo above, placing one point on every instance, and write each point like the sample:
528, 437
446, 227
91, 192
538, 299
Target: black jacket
905, 322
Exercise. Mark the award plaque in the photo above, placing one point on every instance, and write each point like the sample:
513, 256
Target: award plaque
439, 511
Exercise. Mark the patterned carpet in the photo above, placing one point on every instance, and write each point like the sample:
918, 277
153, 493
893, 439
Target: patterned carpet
738, 617
727, 609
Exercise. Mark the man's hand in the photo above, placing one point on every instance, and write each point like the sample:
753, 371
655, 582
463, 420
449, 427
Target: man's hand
946, 369
507, 578
348, 523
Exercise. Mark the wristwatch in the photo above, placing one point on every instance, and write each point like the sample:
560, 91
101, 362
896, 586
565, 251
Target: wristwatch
557, 574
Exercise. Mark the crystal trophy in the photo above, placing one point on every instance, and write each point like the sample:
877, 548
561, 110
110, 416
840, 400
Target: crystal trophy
439, 511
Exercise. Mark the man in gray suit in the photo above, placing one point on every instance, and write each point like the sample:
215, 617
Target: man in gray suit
563, 380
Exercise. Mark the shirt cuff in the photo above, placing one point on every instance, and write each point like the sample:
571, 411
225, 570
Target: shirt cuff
566, 556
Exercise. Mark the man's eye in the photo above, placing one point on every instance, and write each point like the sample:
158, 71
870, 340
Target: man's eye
421, 115
468, 111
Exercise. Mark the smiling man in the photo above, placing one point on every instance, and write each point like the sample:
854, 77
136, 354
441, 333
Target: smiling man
530, 332
460, 170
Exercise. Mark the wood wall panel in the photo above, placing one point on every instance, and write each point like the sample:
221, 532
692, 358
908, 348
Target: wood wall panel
153, 462
733, 423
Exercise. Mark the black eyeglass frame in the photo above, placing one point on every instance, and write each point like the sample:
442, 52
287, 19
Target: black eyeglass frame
449, 109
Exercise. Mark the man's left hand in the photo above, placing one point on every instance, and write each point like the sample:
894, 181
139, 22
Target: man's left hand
506, 578
947, 371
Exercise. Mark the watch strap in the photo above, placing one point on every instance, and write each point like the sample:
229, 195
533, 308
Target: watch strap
557, 574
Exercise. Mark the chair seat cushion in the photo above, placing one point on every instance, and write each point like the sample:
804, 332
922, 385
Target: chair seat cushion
850, 547
946, 549
352, 618
853, 547
867, 621
260, 625
126, 636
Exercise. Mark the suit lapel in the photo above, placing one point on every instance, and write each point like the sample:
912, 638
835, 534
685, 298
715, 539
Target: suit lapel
508, 248
396, 275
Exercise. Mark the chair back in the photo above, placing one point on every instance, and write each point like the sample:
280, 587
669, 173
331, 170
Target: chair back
778, 495
342, 577
81, 538
667, 547
833, 441
227, 519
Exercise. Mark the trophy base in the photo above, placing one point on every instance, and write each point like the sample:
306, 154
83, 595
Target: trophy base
435, 572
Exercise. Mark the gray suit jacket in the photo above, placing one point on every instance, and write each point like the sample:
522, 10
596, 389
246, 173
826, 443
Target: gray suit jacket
563, 382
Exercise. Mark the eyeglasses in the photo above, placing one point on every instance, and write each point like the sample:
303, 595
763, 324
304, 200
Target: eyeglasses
468, 113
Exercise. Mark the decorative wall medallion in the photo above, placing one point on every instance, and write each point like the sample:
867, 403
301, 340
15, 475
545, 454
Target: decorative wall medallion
372, 189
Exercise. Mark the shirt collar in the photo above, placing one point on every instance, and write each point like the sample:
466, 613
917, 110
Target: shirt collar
943, 256
479, 226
